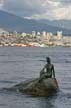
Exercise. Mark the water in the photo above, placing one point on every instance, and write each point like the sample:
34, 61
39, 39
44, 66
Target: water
18, 64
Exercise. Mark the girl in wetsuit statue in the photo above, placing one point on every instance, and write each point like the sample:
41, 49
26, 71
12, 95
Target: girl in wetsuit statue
48, 70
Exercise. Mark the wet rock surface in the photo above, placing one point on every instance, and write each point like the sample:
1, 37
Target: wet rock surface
34, 87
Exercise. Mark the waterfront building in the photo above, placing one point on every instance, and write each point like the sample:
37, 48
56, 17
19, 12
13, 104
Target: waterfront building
67, 39
44, 34
49, 36
59, 35
23, 34
38, 34
33, 33
15, 33
58, 43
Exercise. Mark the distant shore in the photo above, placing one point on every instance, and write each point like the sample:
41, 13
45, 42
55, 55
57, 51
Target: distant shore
34, 39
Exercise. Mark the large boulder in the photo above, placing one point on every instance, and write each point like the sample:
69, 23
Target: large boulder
46, 87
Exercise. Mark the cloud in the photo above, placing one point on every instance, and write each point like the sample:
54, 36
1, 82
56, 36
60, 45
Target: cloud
24, 7
39, 9
55, 10
1, 4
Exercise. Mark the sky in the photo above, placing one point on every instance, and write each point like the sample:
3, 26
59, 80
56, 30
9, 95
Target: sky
38, 9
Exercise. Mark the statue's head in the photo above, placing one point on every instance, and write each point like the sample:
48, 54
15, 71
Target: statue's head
48, 60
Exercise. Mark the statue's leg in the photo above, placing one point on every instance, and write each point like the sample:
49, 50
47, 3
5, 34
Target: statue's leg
41, 77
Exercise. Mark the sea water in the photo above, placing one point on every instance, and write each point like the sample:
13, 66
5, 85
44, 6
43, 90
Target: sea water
18, 64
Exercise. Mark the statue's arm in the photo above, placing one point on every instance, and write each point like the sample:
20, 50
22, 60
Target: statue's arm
53, 71
42, 71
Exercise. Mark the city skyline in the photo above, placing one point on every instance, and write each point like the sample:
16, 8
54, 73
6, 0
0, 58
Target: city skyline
39, 39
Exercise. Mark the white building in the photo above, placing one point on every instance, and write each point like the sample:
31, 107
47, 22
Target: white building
38, 33
59, 35
33, 33
23, 34
67, 39
15, 33
44, 33
49, 36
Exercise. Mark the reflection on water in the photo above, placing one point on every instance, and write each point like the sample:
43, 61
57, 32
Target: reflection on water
46, 103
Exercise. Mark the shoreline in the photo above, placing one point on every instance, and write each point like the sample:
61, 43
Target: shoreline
32, 46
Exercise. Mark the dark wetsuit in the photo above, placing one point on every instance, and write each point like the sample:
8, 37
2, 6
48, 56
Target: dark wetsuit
47, 71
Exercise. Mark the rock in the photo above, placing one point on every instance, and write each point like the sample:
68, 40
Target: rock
33, 87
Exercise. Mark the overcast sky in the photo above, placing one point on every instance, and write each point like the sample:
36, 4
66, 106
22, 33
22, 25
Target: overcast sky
39, 9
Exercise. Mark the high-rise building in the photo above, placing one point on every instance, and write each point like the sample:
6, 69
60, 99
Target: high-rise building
38, 33
44, 33
59, 35
48, 36
33, 33
15, 33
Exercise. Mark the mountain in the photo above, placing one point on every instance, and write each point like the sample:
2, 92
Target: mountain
62, 23
12, 22
66, 24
